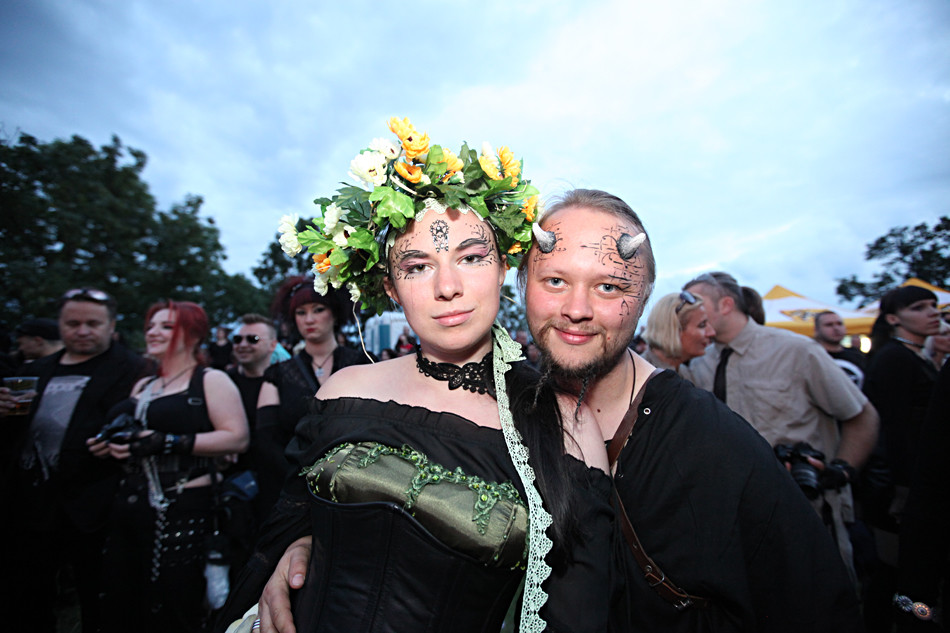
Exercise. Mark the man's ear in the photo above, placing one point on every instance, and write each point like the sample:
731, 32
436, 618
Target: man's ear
727, 304
390, 290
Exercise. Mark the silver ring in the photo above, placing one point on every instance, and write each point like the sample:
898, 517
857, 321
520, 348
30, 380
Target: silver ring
257, 625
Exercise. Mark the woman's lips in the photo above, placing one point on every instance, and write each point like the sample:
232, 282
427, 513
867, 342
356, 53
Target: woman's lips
456, 317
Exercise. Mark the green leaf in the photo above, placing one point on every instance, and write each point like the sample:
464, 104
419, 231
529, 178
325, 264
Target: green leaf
392, 205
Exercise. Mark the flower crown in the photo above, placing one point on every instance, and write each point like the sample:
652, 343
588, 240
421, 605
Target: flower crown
403, 182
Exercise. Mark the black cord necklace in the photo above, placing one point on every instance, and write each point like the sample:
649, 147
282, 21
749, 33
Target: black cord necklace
475, 377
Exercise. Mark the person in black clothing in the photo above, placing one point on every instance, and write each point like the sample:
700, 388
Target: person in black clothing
59, 493
220, 349
289, 386
253, 345
163, 515
924, 568
899, 382
829, 332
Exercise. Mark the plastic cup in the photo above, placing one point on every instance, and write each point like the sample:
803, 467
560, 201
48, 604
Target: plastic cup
23, 389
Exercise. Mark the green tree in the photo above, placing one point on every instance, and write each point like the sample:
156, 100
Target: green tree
77, 216
920, 251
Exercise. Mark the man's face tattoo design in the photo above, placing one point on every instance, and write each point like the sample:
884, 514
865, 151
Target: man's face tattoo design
582, 299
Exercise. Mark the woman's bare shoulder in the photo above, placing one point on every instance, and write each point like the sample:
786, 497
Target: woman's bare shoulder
367, 381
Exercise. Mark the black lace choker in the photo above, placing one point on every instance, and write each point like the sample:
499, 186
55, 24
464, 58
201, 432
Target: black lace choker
475, 377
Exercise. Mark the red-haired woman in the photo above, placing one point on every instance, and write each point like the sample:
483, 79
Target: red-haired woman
163, 515
289, 387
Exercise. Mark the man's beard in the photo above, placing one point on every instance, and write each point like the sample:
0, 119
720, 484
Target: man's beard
569, 377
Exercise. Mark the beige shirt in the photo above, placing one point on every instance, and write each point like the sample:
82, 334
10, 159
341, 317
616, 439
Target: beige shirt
784, 384
790, 390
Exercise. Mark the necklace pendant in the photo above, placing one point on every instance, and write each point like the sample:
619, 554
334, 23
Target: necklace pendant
319, 372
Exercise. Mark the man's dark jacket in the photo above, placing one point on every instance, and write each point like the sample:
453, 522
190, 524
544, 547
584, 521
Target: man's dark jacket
82, 485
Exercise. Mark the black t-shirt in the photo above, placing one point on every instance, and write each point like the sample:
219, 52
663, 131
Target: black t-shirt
220, 354
853, 362
250, 388
55, 410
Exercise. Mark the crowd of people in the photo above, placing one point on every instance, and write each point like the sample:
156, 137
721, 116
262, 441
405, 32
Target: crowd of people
728, 477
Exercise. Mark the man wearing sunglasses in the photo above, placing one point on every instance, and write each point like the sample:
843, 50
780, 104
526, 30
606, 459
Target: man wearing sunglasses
60, 493
253, 345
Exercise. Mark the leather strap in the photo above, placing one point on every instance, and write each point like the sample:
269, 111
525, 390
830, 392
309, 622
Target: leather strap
655, 577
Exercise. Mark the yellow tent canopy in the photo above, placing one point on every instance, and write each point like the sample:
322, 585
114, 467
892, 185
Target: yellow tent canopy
791, 311
943, 297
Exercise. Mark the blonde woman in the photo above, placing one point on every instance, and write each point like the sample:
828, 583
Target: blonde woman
677, 330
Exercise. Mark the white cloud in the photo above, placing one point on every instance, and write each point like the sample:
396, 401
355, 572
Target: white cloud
772, 140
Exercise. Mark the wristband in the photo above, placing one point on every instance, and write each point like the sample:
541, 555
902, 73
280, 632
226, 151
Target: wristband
179, 444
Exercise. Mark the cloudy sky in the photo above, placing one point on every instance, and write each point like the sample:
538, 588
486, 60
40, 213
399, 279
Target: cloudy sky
769, 139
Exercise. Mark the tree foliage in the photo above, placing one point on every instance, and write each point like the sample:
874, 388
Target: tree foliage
77, 216
920, 251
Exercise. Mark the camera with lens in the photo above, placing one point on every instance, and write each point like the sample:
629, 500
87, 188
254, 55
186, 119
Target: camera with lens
803, 472
121, 430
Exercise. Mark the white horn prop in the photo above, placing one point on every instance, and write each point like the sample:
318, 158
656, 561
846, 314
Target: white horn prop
627, 245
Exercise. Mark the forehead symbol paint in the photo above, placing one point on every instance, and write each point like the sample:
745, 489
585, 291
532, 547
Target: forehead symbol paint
440, 235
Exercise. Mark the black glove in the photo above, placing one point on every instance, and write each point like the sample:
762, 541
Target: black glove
837, 474
159, 443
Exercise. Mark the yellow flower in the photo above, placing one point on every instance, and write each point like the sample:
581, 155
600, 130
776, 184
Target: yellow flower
489, 166
403, 129
509, 164
322, 261
453, 162
415, 145
515, 248
528, 209
412, 173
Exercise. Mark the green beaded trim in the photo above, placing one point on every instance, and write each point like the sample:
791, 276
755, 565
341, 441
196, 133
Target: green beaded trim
486, 494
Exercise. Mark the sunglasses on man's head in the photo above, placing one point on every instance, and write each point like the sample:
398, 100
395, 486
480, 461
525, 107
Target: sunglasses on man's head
252, 339
685, 297
86, 293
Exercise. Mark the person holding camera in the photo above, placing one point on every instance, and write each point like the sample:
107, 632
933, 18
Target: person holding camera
166, 435
57, 494
791, 391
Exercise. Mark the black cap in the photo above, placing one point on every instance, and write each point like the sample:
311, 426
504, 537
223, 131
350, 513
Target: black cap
46, 328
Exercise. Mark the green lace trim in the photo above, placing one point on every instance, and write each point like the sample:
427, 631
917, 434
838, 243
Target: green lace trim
505, 352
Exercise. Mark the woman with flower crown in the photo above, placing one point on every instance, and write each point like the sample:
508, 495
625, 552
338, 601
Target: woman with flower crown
421, 479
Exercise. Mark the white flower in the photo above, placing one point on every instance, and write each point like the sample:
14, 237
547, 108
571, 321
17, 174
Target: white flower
319, 281
339, 234
335, 280
487, 150
288, 224
288, 238
386, 148
331, 216
290, 244
425, 180
354, 291
370, 167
